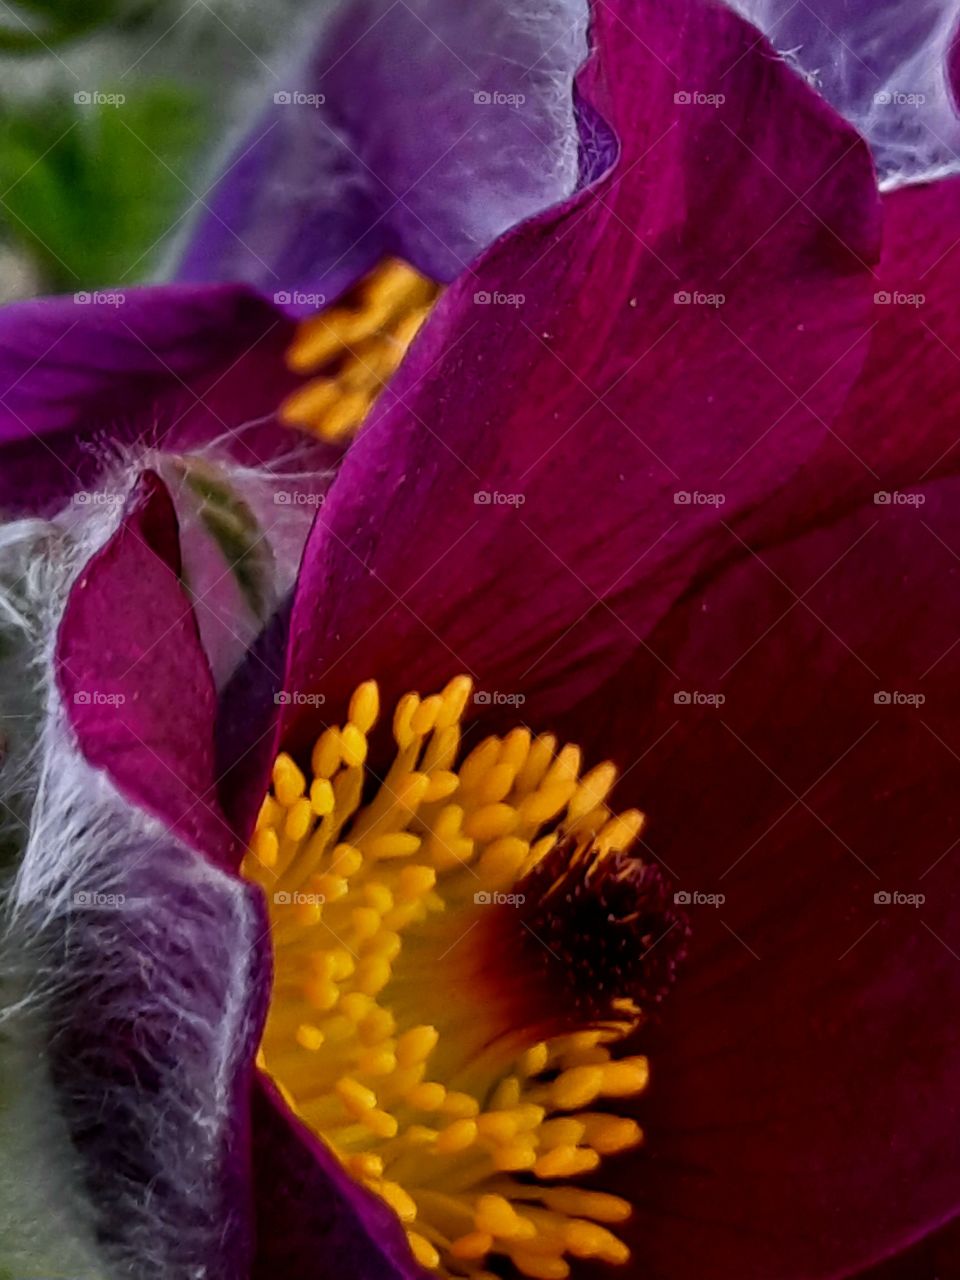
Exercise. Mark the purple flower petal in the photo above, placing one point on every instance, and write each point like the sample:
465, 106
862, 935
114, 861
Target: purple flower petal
178, 365
439, 127
516, 506
312, 1218
134, 679
804, 1067
884, 65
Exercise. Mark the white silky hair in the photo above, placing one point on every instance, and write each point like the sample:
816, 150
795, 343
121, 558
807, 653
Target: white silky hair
96, 901
883, 66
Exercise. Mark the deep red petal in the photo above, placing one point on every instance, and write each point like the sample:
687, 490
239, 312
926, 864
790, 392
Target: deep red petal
804, 1115
135, 683
598, 398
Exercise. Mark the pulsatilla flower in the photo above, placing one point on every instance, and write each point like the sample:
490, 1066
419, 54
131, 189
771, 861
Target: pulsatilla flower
354, 955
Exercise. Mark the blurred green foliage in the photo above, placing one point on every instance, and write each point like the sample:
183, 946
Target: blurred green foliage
29, 25
90, 189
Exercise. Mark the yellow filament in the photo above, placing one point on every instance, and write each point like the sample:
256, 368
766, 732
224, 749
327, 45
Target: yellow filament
474, 1138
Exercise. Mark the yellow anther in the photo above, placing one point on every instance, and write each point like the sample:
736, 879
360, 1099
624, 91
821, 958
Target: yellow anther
472, 1246
289, 783
577, 1087
326, 757
416, 1045
535, 1059
566, 1162
455, 697
357, 1098
457, 1136
403, 718
587, 1240
321, 797
299, 817
428, 1096
598, 1205
309, 1037
610, 1134
495, 1214
403, 1204
416, 880
490, 822
425, 717
442, 783
353, 746
365, 706
457, 1103
497, 783
423, 1250
546, 803
380, 1123
540, 1266
399, 844
625, 1077
265, 847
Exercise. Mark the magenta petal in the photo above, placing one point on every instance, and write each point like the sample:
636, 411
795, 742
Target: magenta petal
313, 1221
135, 683
803, 1115
175, 365
599, 398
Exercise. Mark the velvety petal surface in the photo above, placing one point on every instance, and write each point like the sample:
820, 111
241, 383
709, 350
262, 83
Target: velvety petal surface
160, 975
885, 65
420, 129
177, 365
541, 480
134, 679
792, 738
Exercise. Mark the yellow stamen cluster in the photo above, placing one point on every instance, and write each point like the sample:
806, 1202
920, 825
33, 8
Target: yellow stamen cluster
374, 1041
354, 349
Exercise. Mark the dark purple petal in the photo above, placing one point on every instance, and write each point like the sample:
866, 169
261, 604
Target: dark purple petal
161, 978
399, 157
136, 685
600, 401
313, 1220
884, 65
803, 1113
174, 365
